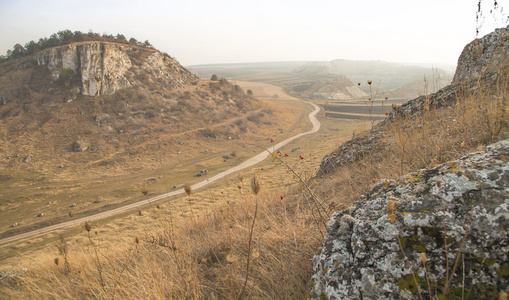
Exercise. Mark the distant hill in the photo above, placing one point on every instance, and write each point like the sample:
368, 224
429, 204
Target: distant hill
330, 79
245, 69
116, 100
386, 76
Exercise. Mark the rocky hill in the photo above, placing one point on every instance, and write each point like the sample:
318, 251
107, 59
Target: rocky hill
111, 97
104, 68
392, 243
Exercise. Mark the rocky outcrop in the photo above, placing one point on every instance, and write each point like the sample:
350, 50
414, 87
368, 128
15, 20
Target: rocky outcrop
350, 152
487, 54
372, 248
100, 66
486, 72
103, 68
162, 67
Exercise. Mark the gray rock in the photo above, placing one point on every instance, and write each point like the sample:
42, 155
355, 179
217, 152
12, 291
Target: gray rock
361, 255
8, 277
40, 215
79, 146
73, 205
486, 54
28, 158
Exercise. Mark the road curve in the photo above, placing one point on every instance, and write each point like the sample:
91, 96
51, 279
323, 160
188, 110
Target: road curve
246, 164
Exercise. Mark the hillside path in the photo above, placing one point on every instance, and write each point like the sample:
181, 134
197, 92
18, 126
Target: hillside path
246, 164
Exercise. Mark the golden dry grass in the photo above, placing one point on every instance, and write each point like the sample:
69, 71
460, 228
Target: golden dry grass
265, 90
204, 255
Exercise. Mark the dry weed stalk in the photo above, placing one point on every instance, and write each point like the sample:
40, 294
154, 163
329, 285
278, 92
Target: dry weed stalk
392, 218
88, 227
255, 186
322, 210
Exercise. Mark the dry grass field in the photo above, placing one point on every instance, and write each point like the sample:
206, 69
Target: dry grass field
116, 189
239, 239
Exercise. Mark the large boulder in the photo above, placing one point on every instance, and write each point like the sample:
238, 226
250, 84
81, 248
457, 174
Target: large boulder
370, 251
487, 54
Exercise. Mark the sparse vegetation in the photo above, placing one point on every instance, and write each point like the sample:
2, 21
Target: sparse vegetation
215, 255
252, 246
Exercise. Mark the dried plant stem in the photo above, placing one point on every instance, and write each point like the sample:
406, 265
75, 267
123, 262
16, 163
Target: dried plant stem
249, 247
445, 241
409, 266
449, 279
316, 201
427, 281
98, 262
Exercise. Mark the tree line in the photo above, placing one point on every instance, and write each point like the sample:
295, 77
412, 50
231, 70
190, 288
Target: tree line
65, 37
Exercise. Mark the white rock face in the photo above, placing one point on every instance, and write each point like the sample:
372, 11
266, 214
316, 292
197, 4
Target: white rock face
101, 66
161, 66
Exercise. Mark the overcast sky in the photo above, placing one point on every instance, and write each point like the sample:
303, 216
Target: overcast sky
229, 31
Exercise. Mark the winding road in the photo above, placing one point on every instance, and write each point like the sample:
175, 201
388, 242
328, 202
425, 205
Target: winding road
246, 164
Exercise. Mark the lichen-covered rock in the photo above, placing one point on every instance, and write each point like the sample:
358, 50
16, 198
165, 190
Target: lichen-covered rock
351, 151
361, 256
487, 54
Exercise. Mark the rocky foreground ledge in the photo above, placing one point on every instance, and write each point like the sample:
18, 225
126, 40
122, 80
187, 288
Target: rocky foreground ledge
361, 257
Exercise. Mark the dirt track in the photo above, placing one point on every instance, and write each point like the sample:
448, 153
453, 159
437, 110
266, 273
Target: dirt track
246, 164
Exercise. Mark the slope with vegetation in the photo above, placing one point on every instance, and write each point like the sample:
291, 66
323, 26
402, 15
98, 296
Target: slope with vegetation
82, 123
259, 245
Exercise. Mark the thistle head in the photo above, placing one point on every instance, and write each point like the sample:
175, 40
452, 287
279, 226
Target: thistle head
424, 259
255, 185
88, 226
390, 207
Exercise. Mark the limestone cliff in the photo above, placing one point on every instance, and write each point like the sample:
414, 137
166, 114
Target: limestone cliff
104, 68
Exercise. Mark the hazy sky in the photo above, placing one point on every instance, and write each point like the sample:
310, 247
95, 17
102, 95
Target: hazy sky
228, 31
